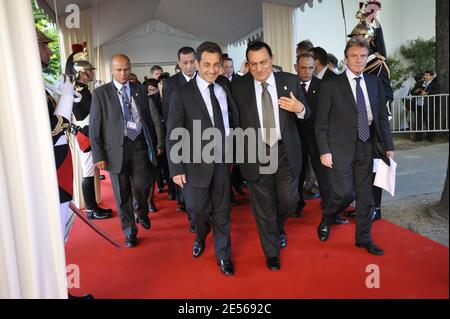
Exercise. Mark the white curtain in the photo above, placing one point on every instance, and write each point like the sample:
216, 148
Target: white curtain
277, 26
32, 259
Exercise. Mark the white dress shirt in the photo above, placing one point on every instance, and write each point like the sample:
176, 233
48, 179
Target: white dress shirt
351, 78
307, 84
221, 97
272, 88
188, 78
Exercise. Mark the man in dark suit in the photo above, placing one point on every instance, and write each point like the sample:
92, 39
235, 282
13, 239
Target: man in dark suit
123, 141
202, 105
351, 125
321, 63
186, 61
430, 110
237, 181
311, 86
271, 103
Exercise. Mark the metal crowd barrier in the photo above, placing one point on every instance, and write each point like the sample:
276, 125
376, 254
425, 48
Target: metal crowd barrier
420, 114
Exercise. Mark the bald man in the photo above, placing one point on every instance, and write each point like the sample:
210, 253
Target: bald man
123, 141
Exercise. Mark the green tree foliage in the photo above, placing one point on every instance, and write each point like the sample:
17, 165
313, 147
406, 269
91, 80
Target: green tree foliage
421, 55
42, 22
397, 72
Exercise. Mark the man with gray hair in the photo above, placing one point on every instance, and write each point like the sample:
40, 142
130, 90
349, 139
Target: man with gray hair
351, 126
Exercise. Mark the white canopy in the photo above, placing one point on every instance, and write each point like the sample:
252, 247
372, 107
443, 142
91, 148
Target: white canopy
221, 21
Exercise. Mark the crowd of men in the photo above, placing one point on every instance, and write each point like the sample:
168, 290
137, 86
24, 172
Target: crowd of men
315, 125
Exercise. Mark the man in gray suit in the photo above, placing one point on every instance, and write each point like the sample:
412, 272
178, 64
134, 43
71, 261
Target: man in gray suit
123, 141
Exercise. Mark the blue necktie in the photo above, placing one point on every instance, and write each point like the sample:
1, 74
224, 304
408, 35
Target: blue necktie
127, 114
363, 120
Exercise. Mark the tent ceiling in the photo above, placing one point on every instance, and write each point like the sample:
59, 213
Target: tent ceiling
217, 20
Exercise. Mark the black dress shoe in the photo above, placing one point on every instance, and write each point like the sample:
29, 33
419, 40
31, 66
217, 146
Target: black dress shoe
376, 215
340, 221
144, 221
311, 195
152, 207
371, 248
273, 263
226, 266
350, 213
87, 296
199, 247
283, 240
323, 230
299, 210
130, 241
99, 213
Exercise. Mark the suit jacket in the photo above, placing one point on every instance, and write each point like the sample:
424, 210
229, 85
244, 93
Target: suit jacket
106, 125
307, 127
186, 106
157, 124
328, 74
170, 85
433, 87
337, 119
245, 97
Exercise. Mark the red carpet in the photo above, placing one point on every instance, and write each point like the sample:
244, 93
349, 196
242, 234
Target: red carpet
162, 266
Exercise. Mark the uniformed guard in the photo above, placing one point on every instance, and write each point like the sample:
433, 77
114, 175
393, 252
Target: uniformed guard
83, 72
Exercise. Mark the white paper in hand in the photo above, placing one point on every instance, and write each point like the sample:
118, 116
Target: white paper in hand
385, 176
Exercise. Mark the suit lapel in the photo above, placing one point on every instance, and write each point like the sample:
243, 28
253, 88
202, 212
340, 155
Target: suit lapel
181, 79
253, 108
232, 109
347, 90
312, 88
371, 90
281, 91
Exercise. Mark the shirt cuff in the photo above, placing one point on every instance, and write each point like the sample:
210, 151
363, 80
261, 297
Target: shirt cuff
301, 115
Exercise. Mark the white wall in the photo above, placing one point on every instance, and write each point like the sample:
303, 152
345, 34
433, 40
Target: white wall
237, 54
157, 48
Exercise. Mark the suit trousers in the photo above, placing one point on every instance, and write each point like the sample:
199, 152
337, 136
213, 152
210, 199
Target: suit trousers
211, 207
355, 175
274, 198
132, 185
309, 147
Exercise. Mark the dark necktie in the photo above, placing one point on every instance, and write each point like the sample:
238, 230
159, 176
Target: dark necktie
363, 120
304, 88
217, 112
127, 114
269, 125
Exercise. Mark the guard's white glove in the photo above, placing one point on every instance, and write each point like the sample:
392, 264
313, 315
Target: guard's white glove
66, 90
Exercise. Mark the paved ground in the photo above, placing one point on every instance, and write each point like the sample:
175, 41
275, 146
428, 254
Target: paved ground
420, 179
